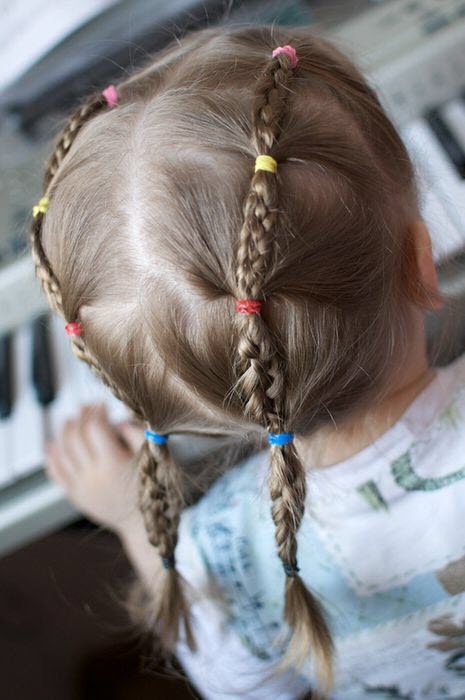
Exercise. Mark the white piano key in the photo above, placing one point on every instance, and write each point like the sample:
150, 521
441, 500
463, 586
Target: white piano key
453, 113
437, 173
445, 239
26, 423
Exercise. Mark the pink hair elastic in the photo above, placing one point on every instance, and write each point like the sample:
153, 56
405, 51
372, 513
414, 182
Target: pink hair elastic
248, 306
74, 328
291, 52
111, 95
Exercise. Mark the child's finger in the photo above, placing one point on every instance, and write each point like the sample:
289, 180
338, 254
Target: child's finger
103, 435
71, 445
55, 467
133, 434
86, 416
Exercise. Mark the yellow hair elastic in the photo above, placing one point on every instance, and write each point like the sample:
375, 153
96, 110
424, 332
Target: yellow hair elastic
266, 163
41, 207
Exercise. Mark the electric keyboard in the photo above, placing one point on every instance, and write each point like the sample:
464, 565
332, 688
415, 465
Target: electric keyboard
414, 55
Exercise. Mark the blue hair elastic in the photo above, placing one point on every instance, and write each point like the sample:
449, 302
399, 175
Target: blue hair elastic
280, 438
156, 438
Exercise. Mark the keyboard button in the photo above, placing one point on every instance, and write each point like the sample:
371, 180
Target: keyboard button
43, 375
6, 376
453, 114
26, 421
446, 241
6, 472
450, 145
435, 172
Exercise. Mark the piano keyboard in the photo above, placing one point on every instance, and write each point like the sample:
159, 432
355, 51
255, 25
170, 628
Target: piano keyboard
440, 171
42, 384
423, 91
46, 386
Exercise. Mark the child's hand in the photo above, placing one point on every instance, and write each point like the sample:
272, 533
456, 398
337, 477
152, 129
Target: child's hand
93, 464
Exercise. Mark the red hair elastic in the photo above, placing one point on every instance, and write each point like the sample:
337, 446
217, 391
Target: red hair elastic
74, 328
248, 306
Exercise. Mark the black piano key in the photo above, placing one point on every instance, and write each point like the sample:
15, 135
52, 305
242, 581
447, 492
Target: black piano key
449, 143
6, 376
43, 375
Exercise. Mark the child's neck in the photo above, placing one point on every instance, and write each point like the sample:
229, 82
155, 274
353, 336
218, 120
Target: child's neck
333, 444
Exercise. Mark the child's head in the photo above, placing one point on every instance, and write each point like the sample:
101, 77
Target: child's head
157, 224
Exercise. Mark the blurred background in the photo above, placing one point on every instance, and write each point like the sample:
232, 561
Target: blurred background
63, 634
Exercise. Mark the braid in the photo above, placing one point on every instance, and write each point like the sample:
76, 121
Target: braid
262, 378
52, 290
161, 502
43, 269
86, 111
44, 272
63, 143
160, 497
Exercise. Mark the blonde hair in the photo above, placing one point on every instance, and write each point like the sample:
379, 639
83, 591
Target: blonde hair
157, 223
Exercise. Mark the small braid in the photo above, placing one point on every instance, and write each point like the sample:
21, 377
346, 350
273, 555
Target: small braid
62, 145
43, 269
262, 376
86, 111
160, 498
44, 272
161, 502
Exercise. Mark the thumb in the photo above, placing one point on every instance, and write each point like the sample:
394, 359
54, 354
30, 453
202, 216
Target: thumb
132, 434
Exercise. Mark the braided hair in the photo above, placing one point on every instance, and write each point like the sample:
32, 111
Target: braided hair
161, 499
313, 251
261, 368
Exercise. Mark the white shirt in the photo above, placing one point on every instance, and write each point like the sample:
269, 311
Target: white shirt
382, 544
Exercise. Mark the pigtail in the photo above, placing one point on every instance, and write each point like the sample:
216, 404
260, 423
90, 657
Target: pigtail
160, 495
262, 381
43, 270
161, 501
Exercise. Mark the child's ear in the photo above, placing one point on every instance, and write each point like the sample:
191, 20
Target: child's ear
426, 267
